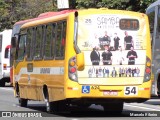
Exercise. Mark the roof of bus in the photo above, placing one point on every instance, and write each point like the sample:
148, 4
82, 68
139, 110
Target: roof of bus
154, 4
6, 31
65, 13
44, 15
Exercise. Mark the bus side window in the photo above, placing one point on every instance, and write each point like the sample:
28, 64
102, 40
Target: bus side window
63, 42
21, 47
53, 39
47, 42
38, 43
29, 43
60, 41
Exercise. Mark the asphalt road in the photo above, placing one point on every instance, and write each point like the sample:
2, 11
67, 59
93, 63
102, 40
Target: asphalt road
9, 105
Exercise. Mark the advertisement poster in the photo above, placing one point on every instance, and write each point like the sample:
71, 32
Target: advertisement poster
112, 52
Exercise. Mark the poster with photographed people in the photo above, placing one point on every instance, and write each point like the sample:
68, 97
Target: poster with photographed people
111, 52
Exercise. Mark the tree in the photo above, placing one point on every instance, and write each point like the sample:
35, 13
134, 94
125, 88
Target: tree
12, 11
133, 5
15, 10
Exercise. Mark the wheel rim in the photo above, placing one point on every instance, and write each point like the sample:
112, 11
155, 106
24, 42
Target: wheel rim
47, 105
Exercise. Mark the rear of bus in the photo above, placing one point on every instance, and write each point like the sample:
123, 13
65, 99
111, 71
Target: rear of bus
116, 68
5, 57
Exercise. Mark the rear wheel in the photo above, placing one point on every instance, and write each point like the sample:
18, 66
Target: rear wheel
113, 108
2, 83
22, 102
50, 106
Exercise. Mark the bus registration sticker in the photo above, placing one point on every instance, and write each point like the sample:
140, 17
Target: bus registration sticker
85, 89
131, 90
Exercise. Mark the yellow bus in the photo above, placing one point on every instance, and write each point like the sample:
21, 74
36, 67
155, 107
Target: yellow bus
84, 57
154, 21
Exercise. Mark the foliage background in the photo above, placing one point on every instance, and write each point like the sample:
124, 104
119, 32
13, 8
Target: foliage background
12, 11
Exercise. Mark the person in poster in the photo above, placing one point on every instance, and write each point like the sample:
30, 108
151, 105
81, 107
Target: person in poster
100, 72
114, 72
97, 71
120, 72
95, 56
120, 56
129, 71
116, 41
126, 72
107, 72
104, 72
107, 56
94, 41
133, 71
137, 71
128, 41
93, 72
123, 72
105, 41
90, 72
131, 55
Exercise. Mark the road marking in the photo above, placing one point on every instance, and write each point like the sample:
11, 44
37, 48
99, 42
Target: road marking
8, 89
142, 107
153, 100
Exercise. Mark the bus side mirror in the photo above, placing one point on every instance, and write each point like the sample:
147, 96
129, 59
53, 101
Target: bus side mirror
13, 42
80, 61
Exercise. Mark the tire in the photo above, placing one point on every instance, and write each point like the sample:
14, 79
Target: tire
85, 105
113, 108
23, 102
158, 94
2, 83
51, 107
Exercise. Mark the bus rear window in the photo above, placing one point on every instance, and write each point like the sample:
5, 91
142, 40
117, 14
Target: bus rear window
129, 24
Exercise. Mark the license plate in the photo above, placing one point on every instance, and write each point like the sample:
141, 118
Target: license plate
110, 93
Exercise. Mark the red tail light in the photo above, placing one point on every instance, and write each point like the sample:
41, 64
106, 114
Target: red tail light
73, 70
4, 66
147, 75
148, 70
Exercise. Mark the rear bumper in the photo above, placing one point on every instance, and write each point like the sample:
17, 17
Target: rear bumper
6, 74
142, 92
